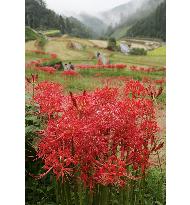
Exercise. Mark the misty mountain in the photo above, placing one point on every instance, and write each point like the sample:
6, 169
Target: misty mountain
115, 15
154, 25
94, 23
147, 7
135, 11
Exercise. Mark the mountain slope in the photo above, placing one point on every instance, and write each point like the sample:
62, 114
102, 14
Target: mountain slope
115, 15
152, 26
94, 23
141, 9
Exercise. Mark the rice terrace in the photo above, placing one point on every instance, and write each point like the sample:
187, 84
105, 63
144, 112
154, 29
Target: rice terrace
95, 108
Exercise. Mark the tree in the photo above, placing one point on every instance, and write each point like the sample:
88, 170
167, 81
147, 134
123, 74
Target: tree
37, 16
112, 44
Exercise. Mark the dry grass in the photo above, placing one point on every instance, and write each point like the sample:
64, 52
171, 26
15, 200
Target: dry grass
99, 43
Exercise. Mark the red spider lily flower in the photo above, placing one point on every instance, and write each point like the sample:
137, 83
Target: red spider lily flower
53, 55
135, 88
101, 66
97, 135
48, 69
112, 172
160, 81
69, 73
146, 80
143, 69
32, 79
120, 66
49, 98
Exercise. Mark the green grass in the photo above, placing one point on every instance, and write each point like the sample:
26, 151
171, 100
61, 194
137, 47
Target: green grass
52, 33
161, 51
156, 61
30, 34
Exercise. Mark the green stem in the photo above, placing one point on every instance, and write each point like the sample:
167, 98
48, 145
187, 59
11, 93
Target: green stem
159, 161
143, 190
62, 196
104, 195
121, 197
80, 193
56, 190
67, 193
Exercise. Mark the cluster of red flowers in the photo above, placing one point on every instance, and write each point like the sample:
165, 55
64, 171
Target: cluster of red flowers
143, 69
34, 63
158, 81
49, 98
37, 52
100, 136
52, 55
48, 69
69, 73
118, 66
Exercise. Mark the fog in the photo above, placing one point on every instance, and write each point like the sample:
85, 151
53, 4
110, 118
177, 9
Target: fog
88, 6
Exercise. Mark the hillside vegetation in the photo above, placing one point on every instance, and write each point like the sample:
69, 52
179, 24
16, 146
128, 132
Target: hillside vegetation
30, 34
38, 16
148, 20
152, 26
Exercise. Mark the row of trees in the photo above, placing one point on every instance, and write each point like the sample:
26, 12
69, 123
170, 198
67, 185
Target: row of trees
38, 16
152, 26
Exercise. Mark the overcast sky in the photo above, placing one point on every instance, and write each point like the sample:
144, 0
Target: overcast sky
89, 6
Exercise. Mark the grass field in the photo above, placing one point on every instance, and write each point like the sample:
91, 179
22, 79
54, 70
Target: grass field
58, 45
89, 78
161, 51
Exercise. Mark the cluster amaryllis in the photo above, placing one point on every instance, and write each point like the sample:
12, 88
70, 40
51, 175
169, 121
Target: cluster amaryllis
145, 69
48, 96
36, 63
148, 80
69, 73
98, 137
101, 66
48, 69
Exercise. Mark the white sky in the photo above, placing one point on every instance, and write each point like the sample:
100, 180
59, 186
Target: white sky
88, 6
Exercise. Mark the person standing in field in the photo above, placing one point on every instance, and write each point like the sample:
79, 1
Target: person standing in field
71, 66
66, 67
99, 57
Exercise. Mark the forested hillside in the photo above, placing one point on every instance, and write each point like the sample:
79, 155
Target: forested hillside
38, 16
135, 10
153, 25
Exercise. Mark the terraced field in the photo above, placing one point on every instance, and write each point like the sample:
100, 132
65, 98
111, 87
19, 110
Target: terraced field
59, 45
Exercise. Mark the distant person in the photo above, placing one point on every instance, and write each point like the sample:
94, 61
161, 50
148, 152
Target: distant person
71, 66
98, 54
66, 67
